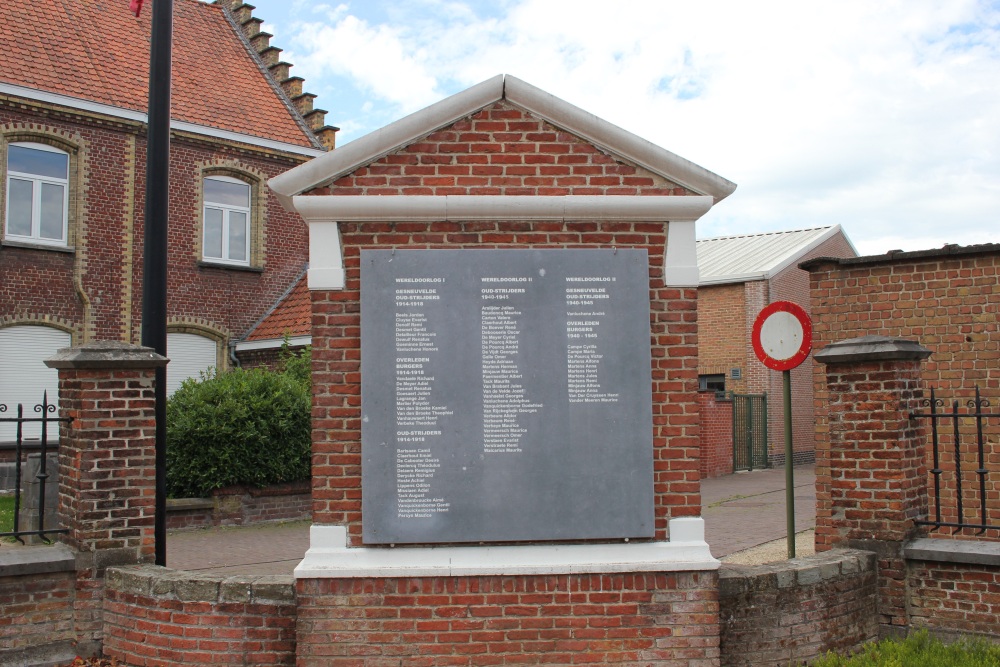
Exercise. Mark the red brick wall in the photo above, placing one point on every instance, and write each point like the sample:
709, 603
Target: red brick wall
792, 612
945, 300
954, 598
154, 620
101, 280
230, 299
500, 150
37, 610
722, 339
716, 435
648, 619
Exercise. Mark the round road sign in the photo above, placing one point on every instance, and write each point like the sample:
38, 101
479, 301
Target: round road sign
782, 335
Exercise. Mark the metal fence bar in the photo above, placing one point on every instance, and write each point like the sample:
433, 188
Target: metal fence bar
45, 409
936, 470
958, 459
975, 410
981, 471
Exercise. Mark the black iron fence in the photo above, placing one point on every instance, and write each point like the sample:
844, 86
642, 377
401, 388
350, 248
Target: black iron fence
959, 466
33, 491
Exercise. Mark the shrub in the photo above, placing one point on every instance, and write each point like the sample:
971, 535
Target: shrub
241, 427
918, 650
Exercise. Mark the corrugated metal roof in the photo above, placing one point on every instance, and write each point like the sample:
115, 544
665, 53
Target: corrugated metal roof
755, 256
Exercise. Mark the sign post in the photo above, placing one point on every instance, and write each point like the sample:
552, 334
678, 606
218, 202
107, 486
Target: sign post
782, 338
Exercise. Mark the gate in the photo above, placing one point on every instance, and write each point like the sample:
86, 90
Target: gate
749, 431
34, 490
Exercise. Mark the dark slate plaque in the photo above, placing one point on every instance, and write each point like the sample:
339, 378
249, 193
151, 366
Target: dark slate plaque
505, 395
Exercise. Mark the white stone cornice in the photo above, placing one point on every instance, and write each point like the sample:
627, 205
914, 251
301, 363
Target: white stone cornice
326, 268
366, 208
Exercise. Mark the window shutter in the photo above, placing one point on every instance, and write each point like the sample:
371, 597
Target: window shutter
190, 355
24, 377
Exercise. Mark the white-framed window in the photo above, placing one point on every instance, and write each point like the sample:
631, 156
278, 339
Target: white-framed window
37, 194
226, 236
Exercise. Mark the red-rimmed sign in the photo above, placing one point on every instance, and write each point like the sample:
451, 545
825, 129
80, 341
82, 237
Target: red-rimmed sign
782, 335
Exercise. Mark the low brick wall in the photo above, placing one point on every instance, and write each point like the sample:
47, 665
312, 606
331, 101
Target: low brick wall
242, 506
793, 611
38, 597
953, 586
36, 615
155, 617
647, 619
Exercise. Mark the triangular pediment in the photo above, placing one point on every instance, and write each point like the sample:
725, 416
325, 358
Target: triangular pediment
509, 90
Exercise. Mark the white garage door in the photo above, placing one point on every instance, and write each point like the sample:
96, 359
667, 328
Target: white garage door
24, 377
190, 355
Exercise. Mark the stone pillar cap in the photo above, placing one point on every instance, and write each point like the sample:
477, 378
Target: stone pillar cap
106, 354
872, 348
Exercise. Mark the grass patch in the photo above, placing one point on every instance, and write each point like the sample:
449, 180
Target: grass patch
6, 514
918, 650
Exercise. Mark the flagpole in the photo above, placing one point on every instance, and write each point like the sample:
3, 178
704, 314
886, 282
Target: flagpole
154, 272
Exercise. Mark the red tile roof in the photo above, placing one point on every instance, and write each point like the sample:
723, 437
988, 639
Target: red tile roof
292, 316
97, 50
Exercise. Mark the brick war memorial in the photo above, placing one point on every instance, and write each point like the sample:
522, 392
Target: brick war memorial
504, 354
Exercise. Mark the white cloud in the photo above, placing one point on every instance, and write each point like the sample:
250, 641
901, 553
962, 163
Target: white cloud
880, 116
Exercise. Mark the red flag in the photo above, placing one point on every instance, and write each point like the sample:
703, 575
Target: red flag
135, 6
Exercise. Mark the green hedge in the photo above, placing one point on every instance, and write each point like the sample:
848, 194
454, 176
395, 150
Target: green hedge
240, 427
918, 650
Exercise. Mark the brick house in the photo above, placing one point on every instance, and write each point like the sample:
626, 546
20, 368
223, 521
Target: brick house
73, 153
738, 277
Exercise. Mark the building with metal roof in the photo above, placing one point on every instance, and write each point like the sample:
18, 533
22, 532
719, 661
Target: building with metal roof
738, 277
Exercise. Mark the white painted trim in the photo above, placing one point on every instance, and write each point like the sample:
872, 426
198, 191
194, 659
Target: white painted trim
326, 258
139, 116
272, 343
363, 208
560, 113
326, 267
735, 278
680, 265
329, 557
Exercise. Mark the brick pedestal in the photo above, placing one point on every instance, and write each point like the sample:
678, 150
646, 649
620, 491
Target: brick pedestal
870, 473
106, 461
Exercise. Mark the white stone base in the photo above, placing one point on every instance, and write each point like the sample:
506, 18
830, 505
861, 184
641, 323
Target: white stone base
329, 557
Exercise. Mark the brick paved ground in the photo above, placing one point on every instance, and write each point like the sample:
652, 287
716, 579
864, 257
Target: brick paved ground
740, 511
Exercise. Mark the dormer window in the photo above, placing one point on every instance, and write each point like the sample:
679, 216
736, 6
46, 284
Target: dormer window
226, 221
37, 194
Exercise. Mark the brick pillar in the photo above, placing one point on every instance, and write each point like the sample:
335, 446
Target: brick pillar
871, 475
106, 462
